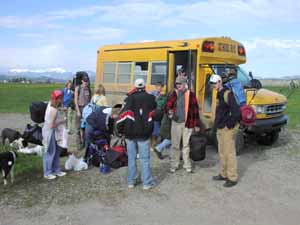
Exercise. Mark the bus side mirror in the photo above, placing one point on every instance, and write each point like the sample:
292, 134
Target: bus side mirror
250, 75
255, 83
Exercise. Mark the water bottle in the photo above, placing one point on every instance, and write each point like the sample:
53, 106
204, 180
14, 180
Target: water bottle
104, 169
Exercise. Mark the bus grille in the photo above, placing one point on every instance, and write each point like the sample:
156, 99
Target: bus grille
273, 109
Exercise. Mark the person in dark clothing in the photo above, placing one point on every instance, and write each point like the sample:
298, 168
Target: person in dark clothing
136, 124
227, 123
100, 120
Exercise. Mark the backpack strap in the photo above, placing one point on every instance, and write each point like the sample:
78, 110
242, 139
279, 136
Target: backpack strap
226, 93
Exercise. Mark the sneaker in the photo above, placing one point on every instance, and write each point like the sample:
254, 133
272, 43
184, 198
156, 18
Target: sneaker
61, 174
130, 186
189, 170
219, 178
173, 170
158, 154
230, 183
147, 187
50, 177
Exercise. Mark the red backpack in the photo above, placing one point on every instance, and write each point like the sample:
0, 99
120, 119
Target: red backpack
248, 115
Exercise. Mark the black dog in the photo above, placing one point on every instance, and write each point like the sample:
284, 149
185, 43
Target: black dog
7, 162
10, 134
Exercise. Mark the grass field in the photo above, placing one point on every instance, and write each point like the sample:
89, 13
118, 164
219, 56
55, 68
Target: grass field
16, 98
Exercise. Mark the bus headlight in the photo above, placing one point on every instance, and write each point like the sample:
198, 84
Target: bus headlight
259, 109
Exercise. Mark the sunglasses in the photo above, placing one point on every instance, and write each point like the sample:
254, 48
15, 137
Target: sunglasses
178, 83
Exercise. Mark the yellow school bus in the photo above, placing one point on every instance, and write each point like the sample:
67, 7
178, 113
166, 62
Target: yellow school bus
119, 65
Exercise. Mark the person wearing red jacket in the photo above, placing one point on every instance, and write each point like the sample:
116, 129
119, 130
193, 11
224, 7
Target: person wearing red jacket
182, 108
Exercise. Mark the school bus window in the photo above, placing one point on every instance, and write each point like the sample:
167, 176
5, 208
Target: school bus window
141, 70
109, 72
124, 73
159, 72
207, 95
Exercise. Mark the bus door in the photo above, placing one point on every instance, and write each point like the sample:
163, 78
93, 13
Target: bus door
185, 60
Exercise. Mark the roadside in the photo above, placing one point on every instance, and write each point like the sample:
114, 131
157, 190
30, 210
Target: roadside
268, 193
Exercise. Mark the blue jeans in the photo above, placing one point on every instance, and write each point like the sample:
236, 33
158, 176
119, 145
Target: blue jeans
142, 147
51, 164
166, 143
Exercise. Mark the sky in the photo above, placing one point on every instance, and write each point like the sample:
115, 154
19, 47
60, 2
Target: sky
66, 34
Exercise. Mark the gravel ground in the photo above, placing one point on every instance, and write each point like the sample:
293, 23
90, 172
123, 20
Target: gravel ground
268, 192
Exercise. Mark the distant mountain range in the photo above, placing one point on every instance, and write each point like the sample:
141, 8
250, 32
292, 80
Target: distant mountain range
57, 75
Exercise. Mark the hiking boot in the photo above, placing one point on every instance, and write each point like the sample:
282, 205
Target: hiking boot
158, 154
219, 178
230, 183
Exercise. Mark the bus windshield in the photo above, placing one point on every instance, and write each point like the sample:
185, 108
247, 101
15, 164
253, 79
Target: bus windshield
223, 70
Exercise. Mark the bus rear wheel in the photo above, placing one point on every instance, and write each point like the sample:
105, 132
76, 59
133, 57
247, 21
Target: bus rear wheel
268, 138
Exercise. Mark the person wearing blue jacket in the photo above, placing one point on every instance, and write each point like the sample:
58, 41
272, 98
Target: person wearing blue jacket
68, 103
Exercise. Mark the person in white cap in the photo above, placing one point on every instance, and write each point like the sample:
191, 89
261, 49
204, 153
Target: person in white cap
227, 124
136, 124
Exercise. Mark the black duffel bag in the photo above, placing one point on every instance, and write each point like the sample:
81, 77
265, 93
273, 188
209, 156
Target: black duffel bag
33, 134
37, 111
198, 147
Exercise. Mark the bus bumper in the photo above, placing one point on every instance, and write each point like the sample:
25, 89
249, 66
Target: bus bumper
268, 125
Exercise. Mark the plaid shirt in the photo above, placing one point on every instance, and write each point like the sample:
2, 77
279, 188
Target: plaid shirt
193, 119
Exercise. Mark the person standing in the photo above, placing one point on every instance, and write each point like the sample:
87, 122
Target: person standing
136, 123
182, 108
82, 97
227, 123
160, 101
99, 97
69, 106
52, 134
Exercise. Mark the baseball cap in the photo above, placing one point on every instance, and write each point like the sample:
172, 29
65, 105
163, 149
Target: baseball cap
215, 78
139, 83
181, 80
56, 94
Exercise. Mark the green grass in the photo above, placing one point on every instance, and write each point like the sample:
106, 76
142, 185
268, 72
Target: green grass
25, 163
293, 107
16, 98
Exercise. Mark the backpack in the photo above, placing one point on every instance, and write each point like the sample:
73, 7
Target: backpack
237, 88
37, 111
86, 111
197, 147
248, 115
77, 79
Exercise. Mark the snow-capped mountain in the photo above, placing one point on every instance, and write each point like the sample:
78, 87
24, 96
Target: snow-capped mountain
44, 73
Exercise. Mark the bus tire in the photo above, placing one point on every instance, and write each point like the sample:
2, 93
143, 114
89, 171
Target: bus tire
239, 142
268, 138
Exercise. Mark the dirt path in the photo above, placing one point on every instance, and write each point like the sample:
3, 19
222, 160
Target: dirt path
268, 193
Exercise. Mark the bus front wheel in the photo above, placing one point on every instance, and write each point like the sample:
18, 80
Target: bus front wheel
268, 138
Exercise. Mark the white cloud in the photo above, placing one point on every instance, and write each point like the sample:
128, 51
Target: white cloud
42, 56
163, 13
47, 70
273, 44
